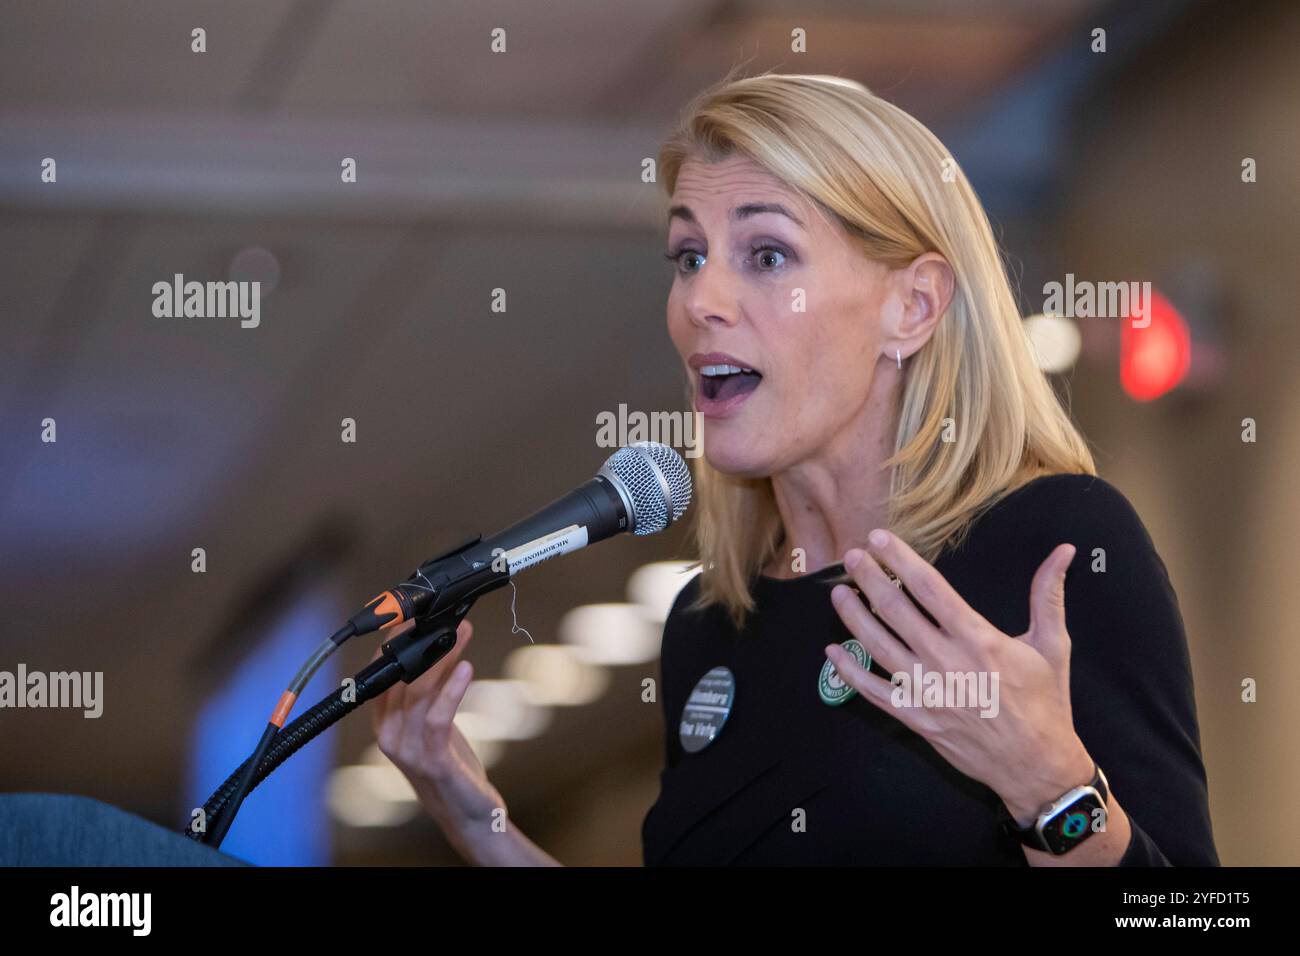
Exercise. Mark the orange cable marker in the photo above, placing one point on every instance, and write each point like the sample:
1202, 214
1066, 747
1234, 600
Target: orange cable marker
282, 709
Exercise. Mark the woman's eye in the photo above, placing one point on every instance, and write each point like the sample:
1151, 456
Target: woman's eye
677, 258
767, 258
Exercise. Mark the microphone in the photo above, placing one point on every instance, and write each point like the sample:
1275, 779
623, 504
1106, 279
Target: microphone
642, 488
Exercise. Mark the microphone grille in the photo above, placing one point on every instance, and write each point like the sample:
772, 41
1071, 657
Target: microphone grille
655, 481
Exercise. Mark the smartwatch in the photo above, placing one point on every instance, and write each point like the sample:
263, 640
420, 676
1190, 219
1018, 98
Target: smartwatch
1065, 822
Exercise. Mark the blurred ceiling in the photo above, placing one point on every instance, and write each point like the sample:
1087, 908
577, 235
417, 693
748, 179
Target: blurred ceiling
476, 171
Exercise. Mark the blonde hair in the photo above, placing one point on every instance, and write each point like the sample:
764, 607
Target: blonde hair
892, 185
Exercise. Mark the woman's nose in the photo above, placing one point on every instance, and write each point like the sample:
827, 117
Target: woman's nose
712, 299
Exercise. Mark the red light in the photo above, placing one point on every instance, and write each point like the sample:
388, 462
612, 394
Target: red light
1155, 358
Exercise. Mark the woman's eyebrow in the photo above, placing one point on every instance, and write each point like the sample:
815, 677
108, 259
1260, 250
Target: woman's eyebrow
740, 212
681, 212
754, 208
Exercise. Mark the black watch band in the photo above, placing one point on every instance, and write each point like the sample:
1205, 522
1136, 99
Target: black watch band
1066, 822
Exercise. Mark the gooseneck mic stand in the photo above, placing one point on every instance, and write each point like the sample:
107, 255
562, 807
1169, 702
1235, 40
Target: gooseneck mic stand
403, 658
436, 598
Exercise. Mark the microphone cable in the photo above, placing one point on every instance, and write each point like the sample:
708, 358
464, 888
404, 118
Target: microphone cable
405, 657
283, 707
383, 611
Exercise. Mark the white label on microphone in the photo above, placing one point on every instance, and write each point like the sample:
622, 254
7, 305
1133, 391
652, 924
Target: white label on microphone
535, 552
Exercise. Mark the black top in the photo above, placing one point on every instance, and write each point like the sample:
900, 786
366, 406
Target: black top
874, 792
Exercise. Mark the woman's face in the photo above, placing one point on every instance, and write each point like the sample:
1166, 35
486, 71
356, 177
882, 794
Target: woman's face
763, 282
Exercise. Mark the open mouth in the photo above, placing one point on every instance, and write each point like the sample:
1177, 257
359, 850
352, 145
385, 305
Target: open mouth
718, 383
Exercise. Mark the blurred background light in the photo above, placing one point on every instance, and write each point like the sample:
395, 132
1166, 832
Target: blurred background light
555, 675
611, 634
1154, 359
1055, 341
500, 710
255, 264
653, 587
371, 795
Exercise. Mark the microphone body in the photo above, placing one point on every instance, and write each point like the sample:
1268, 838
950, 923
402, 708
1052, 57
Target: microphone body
591, 512
642, 488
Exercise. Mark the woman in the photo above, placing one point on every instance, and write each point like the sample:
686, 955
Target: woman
986, 663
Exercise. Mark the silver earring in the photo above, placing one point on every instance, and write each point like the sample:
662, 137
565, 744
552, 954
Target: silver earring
898, 357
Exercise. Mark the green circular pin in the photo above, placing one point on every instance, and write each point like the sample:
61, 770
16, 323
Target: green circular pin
831, 688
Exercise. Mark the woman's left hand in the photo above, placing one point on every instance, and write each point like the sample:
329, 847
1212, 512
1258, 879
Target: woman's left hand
1027, 752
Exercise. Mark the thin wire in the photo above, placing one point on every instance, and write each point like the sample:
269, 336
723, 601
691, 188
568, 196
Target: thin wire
515, 627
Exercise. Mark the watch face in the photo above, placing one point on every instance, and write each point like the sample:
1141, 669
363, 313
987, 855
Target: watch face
1074, 824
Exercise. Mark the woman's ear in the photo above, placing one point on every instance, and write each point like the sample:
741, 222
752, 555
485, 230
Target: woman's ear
921, 293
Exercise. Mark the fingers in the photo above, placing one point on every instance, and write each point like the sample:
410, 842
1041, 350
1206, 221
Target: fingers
415, 731
443, 709
1047, 632
873, 688
879, 643
924, 582
894, 608
444, 668
432, 679
438, 723
413, 698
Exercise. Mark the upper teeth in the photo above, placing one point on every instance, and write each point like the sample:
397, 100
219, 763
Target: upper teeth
712, 370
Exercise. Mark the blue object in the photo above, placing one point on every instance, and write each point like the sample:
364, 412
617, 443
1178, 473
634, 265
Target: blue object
284, 822
59, 829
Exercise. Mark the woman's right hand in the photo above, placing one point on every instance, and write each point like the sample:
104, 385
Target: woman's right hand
415, 730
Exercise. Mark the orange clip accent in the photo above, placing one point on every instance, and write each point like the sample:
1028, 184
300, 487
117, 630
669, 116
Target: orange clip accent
387, 603
282, 709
